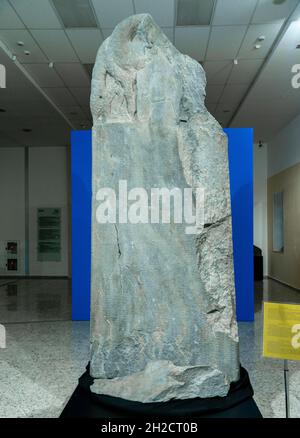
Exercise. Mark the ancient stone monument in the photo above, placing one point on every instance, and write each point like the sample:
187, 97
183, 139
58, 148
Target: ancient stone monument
163, 301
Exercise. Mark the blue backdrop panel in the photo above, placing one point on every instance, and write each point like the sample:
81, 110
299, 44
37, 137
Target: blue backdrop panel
241, 186
81, 189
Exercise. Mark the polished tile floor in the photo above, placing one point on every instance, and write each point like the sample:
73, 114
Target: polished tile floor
266, 375
33, 300
46, 352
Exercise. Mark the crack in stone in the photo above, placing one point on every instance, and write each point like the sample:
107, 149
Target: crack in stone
220, 309
118, 242
210, 226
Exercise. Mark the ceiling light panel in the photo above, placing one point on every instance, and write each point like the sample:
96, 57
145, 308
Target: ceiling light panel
161, 11
194, 12
36, 14
75, 13
111, 12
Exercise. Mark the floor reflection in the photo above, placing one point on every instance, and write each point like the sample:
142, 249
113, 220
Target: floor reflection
31, 300
271, 290
40, 367
266, 374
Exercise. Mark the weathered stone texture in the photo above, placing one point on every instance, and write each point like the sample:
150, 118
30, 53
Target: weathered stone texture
163, 302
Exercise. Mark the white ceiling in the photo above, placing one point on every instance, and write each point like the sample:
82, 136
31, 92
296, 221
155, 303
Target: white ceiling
26, 108
272, 102
255, 92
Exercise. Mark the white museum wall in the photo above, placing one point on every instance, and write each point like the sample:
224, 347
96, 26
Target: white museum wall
284, 149
284, 175
281, 153
48, 187
12, 199
284, 265
260, 161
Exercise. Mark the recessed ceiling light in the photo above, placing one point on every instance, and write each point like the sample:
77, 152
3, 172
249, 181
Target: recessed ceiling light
75, 13
298, 46
27, 53
261, 38
20, 43
226, 111
51, 65
26, 129
257, 46
2, 110
194, 12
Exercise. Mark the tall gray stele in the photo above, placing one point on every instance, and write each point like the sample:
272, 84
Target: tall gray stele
163, 301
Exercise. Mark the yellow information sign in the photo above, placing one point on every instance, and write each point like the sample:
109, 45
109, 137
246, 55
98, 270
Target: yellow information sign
281, 331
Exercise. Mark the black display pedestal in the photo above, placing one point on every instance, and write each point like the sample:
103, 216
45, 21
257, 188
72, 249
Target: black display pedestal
238, 403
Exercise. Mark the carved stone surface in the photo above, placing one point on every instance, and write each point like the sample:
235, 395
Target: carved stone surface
163, 302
